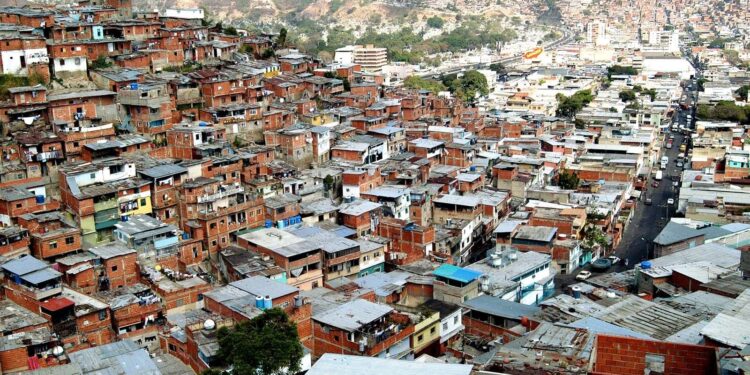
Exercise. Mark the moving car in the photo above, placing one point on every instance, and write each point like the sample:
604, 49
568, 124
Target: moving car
649, 201
583, 275
670, 201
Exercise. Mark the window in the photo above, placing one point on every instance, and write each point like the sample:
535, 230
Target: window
114, 268
143, 201
62, 62
172, 348
69, 240
455, 320
654, 363
432, 330
19, 205
102, 315
445, 327
420, 338
77, 61
53, 245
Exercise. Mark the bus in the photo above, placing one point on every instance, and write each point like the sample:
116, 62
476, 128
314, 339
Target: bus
658, 176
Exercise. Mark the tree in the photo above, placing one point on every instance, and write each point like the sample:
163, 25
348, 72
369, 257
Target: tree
743, 91
281, 40
265, 345
101, 62
620, 70
472, 83
435, 22
568, 106
230, 30
267, 53
328, 182
568, 180
498, 68
627, 95
419, 83
701, 84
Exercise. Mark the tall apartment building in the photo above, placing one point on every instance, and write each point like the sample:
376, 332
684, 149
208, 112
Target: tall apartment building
369, 57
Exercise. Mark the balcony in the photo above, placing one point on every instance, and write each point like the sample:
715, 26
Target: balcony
105, 205
65, 328
222, 193
222, 211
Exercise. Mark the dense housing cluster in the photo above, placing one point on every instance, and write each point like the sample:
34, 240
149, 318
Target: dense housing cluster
162, 178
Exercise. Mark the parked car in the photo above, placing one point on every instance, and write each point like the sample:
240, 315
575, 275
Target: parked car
675, 183
614, 259
583, 275
655, 184
649, 201
670, 201
601, 264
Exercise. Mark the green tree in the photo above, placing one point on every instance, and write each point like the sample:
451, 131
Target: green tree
101, 62
435, 22
281, 40
328, 182
701, 84
620, 70
568, 180
472, 83
742, 92
265, 345
627, 95
498, 68
268, 53
230, 30
568, 106
419, 83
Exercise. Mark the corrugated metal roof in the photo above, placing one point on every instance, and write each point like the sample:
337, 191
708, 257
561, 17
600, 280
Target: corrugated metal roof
353, 315
500, 307
357, 365
24, 265
261, 286
452, 272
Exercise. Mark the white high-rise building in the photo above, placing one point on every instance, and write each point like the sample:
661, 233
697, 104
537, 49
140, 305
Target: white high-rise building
371, 58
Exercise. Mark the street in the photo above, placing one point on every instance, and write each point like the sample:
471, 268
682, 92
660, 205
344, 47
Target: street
648, 220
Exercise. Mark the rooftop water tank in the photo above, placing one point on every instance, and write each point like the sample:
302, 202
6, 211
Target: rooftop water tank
646, 265
576, 292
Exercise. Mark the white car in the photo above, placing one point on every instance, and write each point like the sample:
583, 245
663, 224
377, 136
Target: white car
614, 259
583, 275
670, 201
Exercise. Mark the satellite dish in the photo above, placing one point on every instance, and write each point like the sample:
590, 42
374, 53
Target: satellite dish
57, 351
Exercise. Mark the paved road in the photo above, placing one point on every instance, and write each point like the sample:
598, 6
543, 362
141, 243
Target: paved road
566, 38
647, 221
